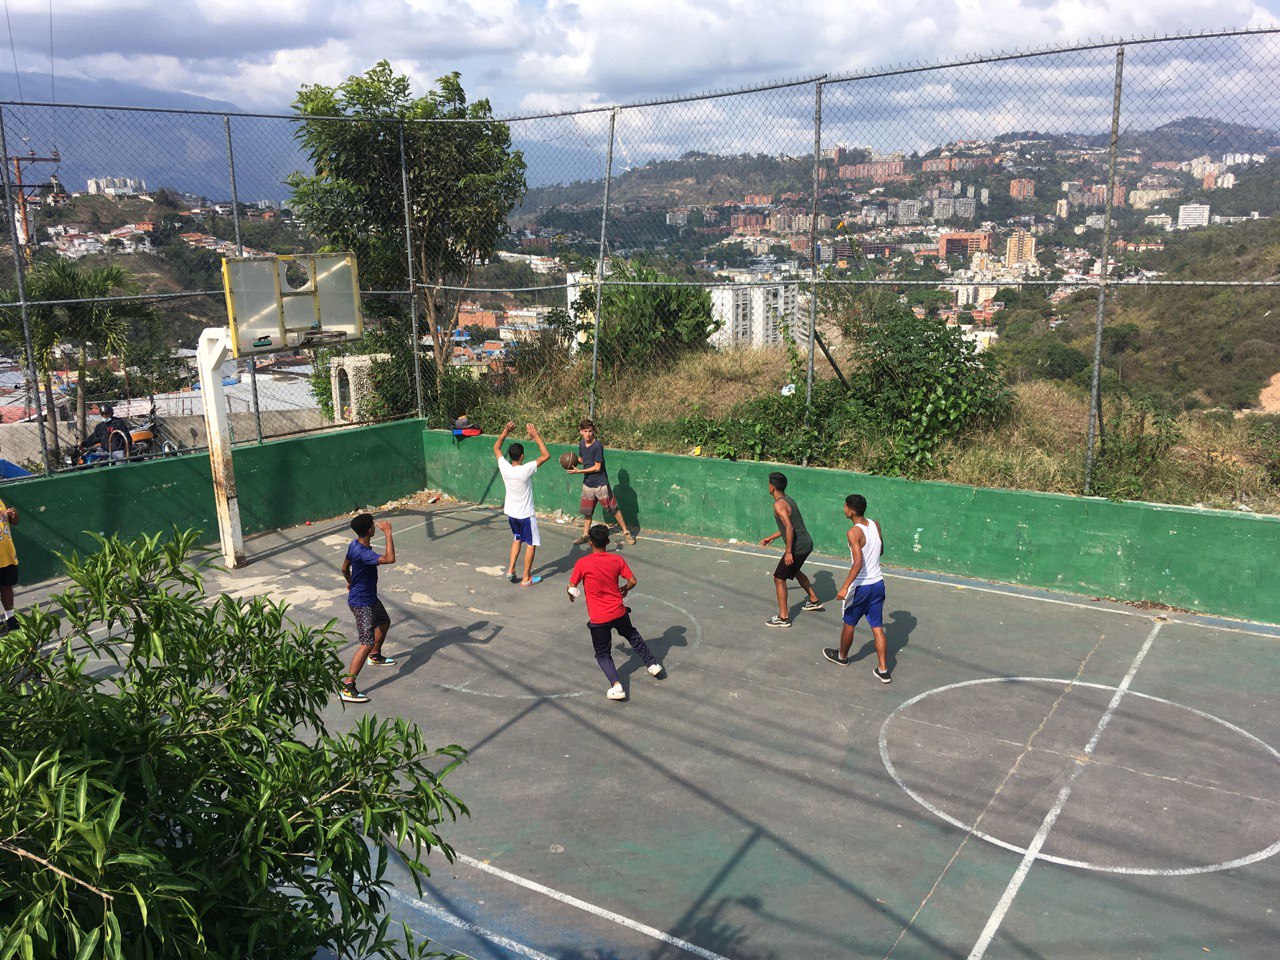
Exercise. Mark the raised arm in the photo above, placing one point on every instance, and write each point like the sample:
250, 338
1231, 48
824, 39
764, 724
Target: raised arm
390, 555
856, 540
497, 444
543, 453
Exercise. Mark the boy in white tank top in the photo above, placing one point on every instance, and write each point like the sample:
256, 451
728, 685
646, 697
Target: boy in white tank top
863, 589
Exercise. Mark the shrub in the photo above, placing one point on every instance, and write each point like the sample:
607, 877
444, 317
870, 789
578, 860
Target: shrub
1135, 439
925, 383
190, 801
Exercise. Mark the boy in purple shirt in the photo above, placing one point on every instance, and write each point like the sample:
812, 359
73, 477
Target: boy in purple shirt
360, 569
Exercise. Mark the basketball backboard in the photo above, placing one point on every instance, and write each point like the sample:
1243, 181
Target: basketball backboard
288, 301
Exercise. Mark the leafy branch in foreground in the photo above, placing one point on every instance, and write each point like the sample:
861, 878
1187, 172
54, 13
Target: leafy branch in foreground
169, 787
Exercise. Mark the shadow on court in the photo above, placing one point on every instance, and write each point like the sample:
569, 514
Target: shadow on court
762, 803
422, 647
897, 632
628, 501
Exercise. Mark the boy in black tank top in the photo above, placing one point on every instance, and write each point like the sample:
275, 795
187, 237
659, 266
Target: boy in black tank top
796, 547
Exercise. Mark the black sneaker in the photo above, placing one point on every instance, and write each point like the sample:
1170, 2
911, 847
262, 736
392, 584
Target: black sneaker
382, 661
833, 654
882, 675
776, 621
812, 606
351, 695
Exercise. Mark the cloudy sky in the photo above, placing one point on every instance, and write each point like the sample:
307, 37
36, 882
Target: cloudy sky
529, 55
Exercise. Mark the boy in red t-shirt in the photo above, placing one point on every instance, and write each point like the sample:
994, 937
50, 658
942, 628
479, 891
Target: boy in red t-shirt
599, 572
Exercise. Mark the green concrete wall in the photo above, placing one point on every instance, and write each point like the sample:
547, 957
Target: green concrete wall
1208, 560
280, 484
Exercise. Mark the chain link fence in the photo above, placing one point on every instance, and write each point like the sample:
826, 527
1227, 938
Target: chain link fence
788, 272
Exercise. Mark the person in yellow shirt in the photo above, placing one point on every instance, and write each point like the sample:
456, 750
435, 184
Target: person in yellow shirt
8, 564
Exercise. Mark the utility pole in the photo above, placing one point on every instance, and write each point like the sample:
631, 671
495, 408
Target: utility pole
25, 192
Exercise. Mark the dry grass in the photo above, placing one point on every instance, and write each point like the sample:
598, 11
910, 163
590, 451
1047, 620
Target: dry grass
1215, 465
711, 383
1040, 447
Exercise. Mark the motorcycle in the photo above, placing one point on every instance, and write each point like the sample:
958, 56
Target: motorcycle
147, 441
142, 442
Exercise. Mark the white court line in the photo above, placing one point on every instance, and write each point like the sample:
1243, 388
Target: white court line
1014, 590
1037, 843
495, 938
972, 829
592, 909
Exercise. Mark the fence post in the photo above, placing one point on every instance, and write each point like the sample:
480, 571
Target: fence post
604, 222
413, 280
813, 246
235, 219
1095, 392
19, 271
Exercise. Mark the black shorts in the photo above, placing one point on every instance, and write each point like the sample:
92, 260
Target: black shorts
9, 575
788, 572
368, 619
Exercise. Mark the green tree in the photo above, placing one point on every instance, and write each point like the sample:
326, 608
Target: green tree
924, 382
191, 802
45, 337
463, 176
641, 326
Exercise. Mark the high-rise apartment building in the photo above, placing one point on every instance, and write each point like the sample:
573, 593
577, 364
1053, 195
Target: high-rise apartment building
1019, 248
1193, 215
1022, 189
116, 186
962, 244
754, 316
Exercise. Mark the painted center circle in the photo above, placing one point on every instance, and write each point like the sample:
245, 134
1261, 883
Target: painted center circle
1169, 790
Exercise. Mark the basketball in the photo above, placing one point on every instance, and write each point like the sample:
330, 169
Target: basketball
568, 460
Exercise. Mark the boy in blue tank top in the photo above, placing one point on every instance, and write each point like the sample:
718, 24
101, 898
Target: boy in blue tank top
863, 589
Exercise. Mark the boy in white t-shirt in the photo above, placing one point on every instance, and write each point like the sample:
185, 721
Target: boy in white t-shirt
518, 506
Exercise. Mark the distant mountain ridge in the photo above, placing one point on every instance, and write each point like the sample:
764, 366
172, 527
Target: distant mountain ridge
111, 93
1178, 140
189, 152
181, 151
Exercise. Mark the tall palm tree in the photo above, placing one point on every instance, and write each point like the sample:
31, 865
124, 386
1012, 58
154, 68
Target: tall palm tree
89, 318
44, 339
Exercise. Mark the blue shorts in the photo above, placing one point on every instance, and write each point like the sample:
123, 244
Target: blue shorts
525, 530
865, 601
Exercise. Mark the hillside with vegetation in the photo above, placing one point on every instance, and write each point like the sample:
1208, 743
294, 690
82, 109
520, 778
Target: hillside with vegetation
1184, 348
171, 265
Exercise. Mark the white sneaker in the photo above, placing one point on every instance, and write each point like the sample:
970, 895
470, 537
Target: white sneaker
616, 692
655, 669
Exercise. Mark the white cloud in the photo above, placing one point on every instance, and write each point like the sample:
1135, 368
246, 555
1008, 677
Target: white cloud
531, 54
549, 55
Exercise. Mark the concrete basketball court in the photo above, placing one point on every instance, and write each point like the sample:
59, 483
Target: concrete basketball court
1047, 776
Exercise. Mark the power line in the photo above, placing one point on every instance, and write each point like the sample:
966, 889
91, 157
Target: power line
53, 83
13, 48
